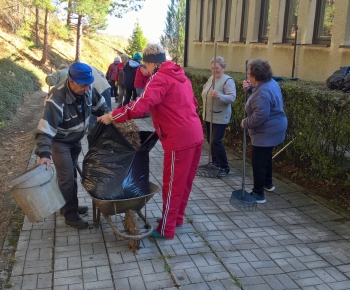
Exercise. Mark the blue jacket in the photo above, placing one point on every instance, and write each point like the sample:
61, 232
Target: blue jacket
266, 120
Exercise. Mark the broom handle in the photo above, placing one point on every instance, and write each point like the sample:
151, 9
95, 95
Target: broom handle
212, 105
244, 134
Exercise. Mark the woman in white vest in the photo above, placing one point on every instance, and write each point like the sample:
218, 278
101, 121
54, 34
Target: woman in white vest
220, 100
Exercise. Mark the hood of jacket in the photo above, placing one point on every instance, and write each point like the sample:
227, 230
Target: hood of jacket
134, 63
173, 70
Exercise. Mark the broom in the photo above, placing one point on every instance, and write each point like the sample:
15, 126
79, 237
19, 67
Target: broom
241, 199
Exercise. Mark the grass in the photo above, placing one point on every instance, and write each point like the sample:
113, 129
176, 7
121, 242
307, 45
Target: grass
21, 72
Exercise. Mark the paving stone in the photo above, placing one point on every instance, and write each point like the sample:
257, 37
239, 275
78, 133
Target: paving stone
159, 284
44, 281
291, 242
202, 286
90, 274
30, 282
16, 282
137, 283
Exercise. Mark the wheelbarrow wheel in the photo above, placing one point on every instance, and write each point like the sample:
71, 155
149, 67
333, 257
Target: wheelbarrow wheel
132, 228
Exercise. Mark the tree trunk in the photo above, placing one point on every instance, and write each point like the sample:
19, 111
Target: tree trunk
37, 28
69, 13
46, 36
79, 36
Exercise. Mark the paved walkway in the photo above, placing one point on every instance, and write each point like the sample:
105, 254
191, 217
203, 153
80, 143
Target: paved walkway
291, 242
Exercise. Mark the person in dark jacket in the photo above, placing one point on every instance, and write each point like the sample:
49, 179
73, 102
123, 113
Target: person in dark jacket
169, 97
120, 80
266, 122
130, 69
66, 117
111, 75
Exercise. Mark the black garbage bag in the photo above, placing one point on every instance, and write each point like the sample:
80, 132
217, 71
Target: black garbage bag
112, 168
336, 80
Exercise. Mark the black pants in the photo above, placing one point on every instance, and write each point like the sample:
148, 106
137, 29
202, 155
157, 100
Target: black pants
130, 95
114, 89
262, 168
65, 158
218, 152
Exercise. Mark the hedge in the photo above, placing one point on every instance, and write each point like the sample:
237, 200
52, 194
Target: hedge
318, 122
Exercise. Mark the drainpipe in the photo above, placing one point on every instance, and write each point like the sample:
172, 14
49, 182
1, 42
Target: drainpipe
186, 32
295, 27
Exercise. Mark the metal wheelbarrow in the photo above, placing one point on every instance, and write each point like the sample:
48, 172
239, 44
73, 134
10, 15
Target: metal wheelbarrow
130, 207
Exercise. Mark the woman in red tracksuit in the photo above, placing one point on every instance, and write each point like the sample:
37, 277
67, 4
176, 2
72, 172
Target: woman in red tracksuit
169, 97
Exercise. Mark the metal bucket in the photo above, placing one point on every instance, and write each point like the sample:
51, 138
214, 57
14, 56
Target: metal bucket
36, 192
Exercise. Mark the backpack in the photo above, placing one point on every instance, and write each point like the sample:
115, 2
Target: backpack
337, 79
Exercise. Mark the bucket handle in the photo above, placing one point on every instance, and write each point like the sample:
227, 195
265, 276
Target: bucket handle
52, 175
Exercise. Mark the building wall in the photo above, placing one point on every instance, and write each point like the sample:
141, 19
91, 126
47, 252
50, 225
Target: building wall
312, 62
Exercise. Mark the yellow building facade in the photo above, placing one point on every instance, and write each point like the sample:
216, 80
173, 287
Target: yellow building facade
307, 39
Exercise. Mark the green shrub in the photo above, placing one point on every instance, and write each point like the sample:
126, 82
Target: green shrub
25, 30
317, 121
59, 29
15, 82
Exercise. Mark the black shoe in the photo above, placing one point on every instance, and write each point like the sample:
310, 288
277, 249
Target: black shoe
82, 209
214, 165
223, 172
260, 198
77, 223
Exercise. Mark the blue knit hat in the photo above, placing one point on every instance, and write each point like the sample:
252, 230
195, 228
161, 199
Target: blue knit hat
81, 73
137, 56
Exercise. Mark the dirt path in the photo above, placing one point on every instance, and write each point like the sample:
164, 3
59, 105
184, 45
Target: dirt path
16, 145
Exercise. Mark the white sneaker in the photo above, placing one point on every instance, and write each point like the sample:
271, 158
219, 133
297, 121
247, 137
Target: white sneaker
270, 188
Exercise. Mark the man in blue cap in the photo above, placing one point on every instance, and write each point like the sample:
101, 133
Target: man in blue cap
60, 130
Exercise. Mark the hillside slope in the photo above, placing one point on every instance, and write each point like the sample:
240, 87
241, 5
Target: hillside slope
23, 89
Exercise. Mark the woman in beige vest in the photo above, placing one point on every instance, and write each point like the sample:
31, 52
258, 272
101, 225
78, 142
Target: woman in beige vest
220, 100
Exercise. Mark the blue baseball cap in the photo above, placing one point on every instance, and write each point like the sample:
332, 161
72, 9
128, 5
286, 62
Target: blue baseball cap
81, 73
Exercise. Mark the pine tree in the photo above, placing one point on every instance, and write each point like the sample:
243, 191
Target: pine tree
137, 41
173, 38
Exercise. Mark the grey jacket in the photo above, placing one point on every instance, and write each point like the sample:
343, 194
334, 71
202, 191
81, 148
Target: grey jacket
57, 77
64, 120
266, 120
222, 110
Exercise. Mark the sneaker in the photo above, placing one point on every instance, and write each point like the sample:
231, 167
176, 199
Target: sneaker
160, 218
77, 223
214, 165
270, 187
157, 235
82, 209
260, 198
223, 172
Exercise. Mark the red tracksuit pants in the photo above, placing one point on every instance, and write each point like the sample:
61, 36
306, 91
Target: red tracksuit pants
180, 169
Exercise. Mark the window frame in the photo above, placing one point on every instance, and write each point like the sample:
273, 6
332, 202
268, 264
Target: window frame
319, 19
213, 20
244, 21
286, 28
201, 17
263, 20
227, 28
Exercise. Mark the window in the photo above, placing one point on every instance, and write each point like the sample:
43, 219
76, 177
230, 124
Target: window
201, 16
213, 19
244, 22
264, 25
291, 19
227, 20
324, 20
